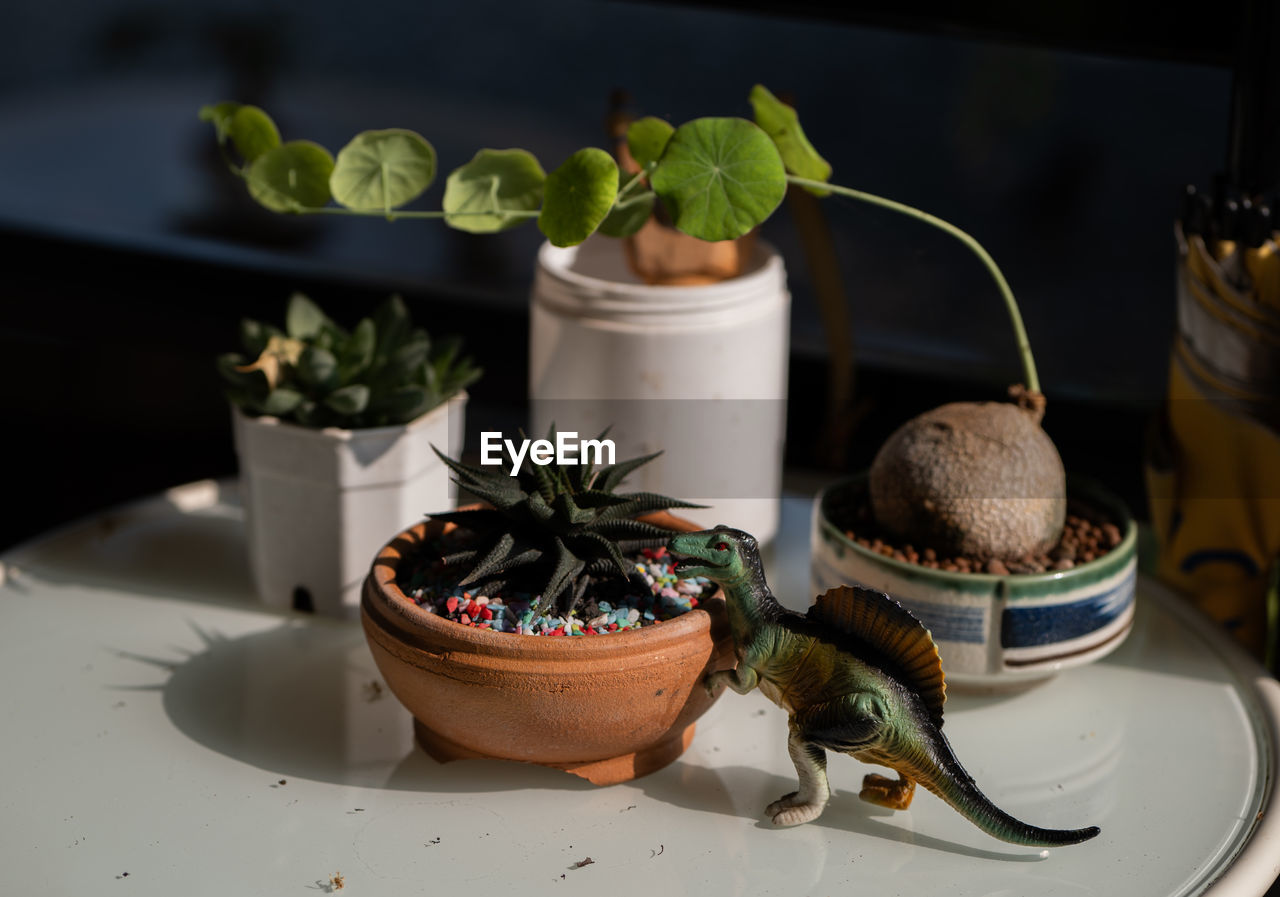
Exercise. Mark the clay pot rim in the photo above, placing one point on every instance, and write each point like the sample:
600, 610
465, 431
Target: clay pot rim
383, 602
1077, 487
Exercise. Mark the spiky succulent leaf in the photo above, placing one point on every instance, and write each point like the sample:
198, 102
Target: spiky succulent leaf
541, 511
636, 503
567, 510
501, 491
460, 558
552, 529
609, 478
595, 498
567, 567
630, 529
466, 473
545, 479
500, 551
596, 543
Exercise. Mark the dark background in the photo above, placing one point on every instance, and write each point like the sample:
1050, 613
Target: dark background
1062, 139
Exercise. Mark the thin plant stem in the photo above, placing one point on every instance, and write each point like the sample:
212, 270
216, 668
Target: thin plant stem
412, 213
1011, 304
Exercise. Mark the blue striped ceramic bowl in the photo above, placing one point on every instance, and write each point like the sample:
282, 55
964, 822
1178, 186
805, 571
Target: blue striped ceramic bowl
995, 630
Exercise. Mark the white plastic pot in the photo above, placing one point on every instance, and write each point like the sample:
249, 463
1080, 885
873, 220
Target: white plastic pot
319, 504
699, 372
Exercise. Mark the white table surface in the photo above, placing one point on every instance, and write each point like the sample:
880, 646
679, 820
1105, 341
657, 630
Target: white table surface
157, 722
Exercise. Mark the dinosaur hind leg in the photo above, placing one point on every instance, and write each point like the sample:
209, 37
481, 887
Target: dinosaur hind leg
849, 723
807, 803
885, 792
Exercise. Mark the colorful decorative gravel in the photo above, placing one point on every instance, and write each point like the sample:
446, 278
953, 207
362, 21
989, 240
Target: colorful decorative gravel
629, 607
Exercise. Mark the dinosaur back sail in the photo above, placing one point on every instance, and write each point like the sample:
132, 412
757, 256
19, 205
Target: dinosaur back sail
891, 630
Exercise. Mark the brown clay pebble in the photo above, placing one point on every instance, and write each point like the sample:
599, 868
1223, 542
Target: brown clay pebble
1086, 537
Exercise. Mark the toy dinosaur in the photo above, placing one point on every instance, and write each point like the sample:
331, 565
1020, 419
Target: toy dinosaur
859, 675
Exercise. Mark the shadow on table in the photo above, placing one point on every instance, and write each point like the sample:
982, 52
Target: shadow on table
744, 792
305, 700
187, 544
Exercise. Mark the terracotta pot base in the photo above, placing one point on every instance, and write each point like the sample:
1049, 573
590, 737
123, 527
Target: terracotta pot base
609, 771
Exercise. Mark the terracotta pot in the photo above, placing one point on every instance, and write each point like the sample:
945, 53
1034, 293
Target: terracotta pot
608, 708
661, 255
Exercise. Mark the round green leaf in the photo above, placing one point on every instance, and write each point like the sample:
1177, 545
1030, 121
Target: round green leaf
382, 170
781, 123
291, 177
719, 178
220, 115
647, 138
252, 132
478, 196
628, 215
577, 196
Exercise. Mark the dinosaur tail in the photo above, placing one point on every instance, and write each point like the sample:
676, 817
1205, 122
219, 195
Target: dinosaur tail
934, 765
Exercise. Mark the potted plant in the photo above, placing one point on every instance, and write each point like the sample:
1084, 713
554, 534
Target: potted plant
606, 318
332, 428
547, 625
718, 179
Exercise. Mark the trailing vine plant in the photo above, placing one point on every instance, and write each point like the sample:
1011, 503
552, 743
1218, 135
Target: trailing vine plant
717, 178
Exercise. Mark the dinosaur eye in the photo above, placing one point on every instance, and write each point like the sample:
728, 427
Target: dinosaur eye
722, 546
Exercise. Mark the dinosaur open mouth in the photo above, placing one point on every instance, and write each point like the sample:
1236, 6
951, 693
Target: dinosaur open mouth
686, 561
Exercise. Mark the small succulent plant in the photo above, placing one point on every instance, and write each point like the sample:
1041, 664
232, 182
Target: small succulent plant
317, 374
551, 529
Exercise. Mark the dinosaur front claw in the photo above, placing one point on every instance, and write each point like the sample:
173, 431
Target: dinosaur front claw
790, 809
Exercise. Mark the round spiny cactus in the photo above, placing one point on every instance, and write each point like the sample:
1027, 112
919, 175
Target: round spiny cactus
551, 529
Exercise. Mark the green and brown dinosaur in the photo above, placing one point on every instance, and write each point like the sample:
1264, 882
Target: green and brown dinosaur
859, 675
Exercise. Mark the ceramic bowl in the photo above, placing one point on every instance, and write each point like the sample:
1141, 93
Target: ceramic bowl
995, 631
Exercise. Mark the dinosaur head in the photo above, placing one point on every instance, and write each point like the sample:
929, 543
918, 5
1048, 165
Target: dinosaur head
723, 555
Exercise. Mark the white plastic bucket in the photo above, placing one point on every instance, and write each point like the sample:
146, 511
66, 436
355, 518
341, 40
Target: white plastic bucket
699, 372
319, 504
